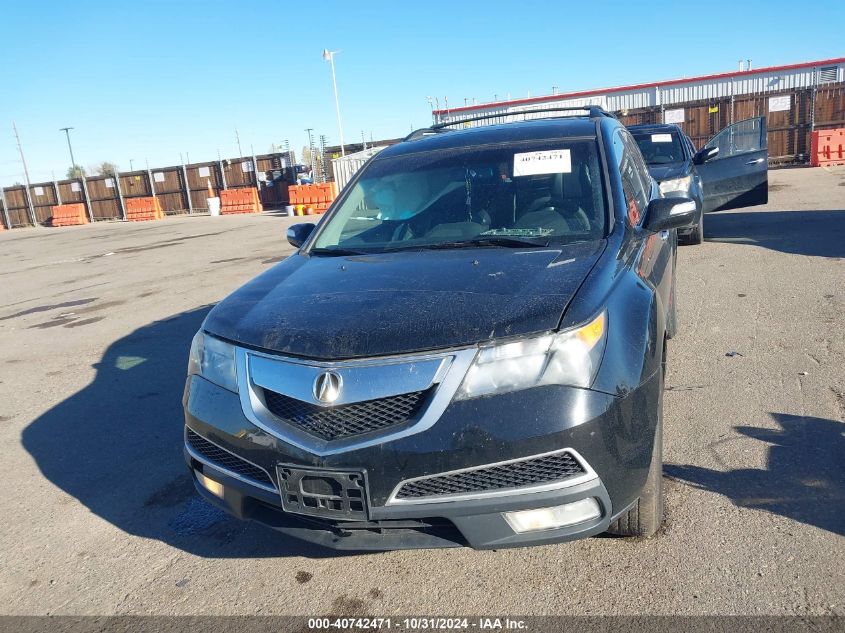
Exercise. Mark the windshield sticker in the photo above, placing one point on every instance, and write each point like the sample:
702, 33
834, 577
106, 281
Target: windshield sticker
661, 138
539, 232
555, 161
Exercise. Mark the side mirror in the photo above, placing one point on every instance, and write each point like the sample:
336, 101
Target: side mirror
705, 154
298, 233
677, 212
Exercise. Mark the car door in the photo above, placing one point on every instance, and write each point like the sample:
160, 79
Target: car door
738, 176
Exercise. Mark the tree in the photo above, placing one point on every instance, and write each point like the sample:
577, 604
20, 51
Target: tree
76, 172
106, 168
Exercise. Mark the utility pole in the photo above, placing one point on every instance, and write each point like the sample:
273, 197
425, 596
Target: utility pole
222, 170
238, 137
323, 172
67, 130
310, 149
26, 175
85, 196
290, 166
150, 177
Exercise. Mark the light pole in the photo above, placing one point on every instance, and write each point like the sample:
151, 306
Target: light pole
131, 160
329, 57
67, 130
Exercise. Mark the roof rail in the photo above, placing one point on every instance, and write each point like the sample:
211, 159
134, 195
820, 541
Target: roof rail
593, 111
424, 131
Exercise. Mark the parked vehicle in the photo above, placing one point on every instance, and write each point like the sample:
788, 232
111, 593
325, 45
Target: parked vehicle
730, 171
469, 348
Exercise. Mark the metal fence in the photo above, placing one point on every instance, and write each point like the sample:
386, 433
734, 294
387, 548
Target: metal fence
180, 189
790, 116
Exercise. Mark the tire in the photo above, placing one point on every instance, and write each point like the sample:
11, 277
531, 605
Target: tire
645, 517
697, 235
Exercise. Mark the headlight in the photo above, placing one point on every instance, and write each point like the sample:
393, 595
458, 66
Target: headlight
676, 184
214, 360
566, 358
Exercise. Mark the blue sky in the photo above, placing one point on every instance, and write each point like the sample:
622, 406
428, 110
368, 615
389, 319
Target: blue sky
156, 79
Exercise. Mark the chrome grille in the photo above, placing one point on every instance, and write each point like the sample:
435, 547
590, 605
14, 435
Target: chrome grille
528, 472
332, 423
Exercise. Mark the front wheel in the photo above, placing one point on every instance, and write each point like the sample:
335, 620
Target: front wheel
697, 235
646, 515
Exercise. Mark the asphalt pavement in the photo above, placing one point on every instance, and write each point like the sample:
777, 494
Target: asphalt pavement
99, 515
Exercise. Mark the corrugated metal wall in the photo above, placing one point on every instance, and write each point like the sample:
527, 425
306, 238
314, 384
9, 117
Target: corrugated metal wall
345, 167
795, 102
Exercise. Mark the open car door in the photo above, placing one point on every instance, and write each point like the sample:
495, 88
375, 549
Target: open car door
737, 175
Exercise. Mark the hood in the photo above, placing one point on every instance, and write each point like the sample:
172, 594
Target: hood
669, 170
333, 308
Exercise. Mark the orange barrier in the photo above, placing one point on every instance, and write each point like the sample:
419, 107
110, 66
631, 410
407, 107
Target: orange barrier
69, 215
243, 200
827, 147
143, 209
318, 196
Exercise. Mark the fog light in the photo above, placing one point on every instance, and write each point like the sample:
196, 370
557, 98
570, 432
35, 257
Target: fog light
550, 518
214, 487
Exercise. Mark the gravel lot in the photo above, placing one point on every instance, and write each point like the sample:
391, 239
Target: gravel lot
99, 515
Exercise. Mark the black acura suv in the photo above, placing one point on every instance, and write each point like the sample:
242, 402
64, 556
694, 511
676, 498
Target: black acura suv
468, 349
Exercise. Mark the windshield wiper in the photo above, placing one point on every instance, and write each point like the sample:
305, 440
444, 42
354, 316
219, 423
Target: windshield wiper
506, 241
335, 252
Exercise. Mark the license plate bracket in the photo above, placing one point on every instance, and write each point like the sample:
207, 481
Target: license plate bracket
328, 494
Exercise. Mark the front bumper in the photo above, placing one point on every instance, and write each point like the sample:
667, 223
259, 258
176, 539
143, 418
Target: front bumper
614, 435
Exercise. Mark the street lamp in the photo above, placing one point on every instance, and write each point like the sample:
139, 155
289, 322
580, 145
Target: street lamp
67, 130
329, 57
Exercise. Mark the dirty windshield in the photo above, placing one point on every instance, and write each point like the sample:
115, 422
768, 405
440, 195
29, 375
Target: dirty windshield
525, 195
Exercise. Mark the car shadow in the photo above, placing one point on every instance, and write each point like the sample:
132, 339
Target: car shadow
814, 232
804, 479
116, 446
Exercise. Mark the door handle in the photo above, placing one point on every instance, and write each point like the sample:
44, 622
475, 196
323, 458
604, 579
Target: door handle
755, 161
664, 235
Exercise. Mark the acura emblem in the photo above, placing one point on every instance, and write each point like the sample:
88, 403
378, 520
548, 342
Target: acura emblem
327, 387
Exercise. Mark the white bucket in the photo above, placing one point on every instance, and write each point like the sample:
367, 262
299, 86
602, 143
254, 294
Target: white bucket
289, 211
214, 206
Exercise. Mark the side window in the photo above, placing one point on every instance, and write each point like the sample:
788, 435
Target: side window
635, 188
740, 138
639, 163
